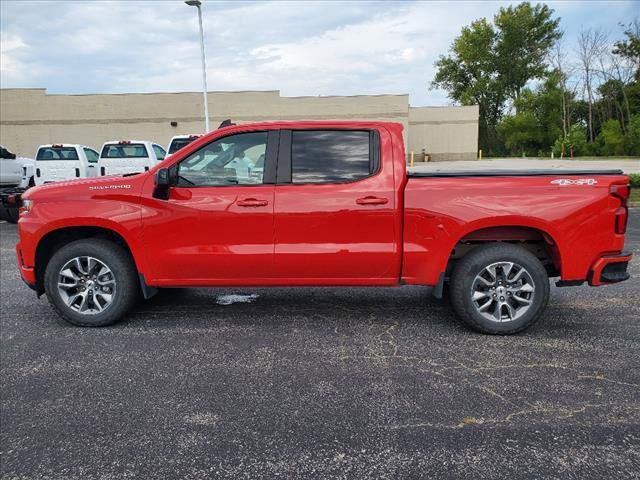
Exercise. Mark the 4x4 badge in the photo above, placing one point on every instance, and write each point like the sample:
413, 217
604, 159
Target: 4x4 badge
579, 181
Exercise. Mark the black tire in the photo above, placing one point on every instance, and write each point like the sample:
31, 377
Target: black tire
118, 261
472, 264
12, 214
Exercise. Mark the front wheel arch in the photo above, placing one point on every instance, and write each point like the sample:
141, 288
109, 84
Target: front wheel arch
53, 241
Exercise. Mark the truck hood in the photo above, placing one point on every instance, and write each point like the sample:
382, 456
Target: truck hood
85, 188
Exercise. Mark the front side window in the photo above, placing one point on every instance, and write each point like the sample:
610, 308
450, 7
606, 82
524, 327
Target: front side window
125, 150
57, 153
233, 160
92, 155
329, 156
159, 151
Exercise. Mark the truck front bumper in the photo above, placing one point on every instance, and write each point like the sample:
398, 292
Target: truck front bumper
28, 274
610, 269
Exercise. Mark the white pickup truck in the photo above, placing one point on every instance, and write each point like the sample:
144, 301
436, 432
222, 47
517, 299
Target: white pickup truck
15, 171
64, 161
179, 141
16, 175
118, 157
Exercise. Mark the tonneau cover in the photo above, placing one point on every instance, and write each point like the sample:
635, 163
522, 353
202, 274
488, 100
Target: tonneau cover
510, 173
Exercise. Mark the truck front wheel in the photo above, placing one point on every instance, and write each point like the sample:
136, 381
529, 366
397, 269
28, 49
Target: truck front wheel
91, 282
499, 289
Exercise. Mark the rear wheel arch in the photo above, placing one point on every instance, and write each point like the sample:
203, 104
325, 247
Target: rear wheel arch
51, 242
537, 240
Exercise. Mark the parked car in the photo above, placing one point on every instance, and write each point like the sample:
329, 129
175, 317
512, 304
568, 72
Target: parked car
118, 157
15, 171
65, 161
334, 206
179, 141
16, 175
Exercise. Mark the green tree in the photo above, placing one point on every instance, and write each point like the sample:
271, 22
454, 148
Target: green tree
490, 64
576, 140
466, 75
525, 36
537, 122
629, 48
632, 138
611, 139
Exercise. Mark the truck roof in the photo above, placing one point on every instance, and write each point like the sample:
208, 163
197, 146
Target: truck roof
64, 145
126, 141
315, 123
192, 135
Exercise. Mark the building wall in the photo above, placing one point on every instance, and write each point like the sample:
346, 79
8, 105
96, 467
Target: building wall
445, 133
31, 117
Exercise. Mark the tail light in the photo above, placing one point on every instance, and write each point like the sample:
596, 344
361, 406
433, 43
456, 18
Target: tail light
621, 192
102, 171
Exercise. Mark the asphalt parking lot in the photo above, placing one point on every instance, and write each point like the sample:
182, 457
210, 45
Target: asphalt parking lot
320, 383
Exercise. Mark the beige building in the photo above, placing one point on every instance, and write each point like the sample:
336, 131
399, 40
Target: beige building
31, 117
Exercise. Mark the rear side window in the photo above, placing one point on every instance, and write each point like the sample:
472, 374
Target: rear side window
92, 155
160, 153
57, 153
127, 150
329, 156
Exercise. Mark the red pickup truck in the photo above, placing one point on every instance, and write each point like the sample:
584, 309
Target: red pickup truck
322, 203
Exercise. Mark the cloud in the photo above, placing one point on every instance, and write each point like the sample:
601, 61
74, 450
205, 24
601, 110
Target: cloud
300, 48
12, 50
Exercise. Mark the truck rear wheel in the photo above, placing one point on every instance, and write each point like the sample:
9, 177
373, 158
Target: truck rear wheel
91, 282
499, 289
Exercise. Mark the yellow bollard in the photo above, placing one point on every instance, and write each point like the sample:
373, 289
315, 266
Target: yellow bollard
480, 154
411, 161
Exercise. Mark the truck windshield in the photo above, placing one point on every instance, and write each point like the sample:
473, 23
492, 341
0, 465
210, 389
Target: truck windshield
57, 153
178, 143
129, 150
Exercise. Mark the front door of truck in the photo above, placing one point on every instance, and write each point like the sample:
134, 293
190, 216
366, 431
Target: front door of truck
217, 225
335, 208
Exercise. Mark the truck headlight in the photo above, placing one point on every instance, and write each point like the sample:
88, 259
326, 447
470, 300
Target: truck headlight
25, 207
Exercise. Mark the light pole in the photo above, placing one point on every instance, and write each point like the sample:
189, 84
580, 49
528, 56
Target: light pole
197, 4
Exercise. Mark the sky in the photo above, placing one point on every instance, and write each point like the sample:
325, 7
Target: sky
300, 48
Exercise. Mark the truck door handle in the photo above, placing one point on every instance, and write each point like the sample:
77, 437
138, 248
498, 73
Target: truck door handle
372, 201
252, 202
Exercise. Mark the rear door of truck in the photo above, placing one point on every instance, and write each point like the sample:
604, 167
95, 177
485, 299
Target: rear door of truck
335, 208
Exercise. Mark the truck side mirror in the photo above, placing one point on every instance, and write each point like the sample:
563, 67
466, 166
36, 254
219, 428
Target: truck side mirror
161, 191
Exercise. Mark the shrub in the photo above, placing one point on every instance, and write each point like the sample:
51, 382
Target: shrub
576, 138
632, 139
611, 140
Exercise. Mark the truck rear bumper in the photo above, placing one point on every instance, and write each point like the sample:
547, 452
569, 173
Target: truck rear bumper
610, 269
